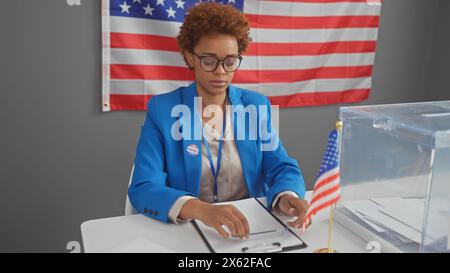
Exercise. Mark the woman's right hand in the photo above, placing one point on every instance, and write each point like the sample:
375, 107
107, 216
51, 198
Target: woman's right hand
216, 216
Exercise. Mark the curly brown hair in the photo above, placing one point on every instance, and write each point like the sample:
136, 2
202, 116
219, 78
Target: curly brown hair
210, 18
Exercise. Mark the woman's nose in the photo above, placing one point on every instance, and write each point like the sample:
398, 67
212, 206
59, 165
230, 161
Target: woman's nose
220, 69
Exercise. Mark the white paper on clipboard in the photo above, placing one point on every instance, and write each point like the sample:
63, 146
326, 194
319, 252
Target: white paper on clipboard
267, 234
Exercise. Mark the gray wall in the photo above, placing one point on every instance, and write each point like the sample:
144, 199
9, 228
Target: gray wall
439, 88
63, 161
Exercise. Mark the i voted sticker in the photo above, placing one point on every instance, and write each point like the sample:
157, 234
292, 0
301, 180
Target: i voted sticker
192, 149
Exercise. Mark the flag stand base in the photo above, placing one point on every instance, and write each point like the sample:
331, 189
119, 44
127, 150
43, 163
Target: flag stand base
325, 250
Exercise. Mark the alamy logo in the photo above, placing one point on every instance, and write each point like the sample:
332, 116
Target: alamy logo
252, 122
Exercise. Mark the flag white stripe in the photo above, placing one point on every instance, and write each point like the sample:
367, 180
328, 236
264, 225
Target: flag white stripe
262, 35
259, 35
144, 26
310, 9
326, 187
326, 85
323, 200
146, 57
327, 175
158, 57
138, 87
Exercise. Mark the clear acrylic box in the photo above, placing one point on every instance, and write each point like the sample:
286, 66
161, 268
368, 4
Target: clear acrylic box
395, 175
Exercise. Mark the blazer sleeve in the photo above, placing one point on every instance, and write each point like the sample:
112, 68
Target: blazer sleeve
281, 172
148, 191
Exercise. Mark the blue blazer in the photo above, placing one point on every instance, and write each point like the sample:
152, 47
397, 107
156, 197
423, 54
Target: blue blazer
164, 170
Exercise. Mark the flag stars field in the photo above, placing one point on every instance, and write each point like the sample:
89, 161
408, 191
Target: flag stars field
180, 4
170, 12
125, 7
148, 10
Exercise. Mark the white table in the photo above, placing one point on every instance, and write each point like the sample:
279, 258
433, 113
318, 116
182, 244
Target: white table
104, 235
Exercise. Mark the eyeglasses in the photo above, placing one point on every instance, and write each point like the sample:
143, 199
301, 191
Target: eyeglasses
210, 63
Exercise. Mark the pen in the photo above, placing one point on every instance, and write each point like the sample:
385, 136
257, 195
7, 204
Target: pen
262, 232
263, 247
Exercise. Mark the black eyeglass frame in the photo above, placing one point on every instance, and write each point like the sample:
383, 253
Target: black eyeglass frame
219, 61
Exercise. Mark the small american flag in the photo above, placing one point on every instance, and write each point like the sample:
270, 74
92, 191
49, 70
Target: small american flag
327, 187
303, 53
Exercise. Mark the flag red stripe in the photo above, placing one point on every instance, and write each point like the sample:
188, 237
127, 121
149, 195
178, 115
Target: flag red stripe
157, 42
150, 72
321, 183
309, 49
143, 41
314, 99
313, 22
139, 102
289, 76
324, 194
155, 72
322, 206
128, 102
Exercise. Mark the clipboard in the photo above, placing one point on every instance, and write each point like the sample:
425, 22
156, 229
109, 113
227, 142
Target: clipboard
267, 233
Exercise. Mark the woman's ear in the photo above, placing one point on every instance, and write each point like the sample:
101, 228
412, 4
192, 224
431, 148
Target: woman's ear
189, 59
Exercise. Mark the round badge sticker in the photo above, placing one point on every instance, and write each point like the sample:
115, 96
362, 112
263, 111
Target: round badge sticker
192, 149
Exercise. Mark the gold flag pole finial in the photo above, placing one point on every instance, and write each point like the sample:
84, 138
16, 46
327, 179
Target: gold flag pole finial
339, 125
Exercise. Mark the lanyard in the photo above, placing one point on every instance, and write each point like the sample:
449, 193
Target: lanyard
215, 171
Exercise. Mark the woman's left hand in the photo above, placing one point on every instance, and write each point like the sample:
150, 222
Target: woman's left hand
295, 207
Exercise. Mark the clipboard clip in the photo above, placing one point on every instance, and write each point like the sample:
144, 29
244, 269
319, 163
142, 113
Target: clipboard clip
263, 248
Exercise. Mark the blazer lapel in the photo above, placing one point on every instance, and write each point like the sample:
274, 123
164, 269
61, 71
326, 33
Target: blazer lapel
192, 145
246, 148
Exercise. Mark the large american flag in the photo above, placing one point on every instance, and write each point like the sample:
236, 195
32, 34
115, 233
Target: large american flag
326, 190
304, 52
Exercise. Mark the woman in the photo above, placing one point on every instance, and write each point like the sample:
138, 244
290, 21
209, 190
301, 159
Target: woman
178, 179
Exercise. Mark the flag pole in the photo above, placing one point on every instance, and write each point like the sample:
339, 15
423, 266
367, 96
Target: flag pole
330, 223
331, 149
330, 229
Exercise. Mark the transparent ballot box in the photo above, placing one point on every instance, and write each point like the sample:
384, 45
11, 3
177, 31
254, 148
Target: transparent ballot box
395, 175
